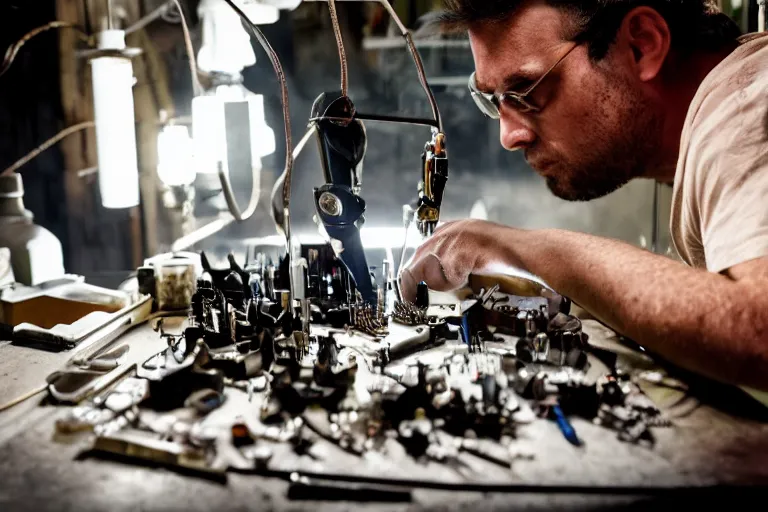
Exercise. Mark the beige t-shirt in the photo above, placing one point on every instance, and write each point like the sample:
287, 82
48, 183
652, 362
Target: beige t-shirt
719, 214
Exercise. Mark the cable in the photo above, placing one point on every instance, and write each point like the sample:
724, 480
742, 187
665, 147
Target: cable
13, 50
423, 79
414, 54
259, 35
23, 398
419, 64
277, 214
45, 145
196, 87
340, 46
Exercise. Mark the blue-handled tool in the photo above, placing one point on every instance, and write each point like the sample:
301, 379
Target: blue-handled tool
565, 426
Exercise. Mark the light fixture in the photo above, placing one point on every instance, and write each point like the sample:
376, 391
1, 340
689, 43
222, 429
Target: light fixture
226, 45
113, 81
209, 129
209, 134
175, 165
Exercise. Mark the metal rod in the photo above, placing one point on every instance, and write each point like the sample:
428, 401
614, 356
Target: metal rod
149, 18
202, 233
380, 118
110, 21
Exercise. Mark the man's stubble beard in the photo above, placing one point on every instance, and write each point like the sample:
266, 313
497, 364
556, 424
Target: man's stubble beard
624, 144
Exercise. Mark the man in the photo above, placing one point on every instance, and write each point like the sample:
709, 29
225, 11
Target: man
596, 93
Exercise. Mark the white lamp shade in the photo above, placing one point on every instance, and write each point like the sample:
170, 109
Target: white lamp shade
175, 165
115, 132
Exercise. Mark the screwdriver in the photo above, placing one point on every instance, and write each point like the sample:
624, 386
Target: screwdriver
565, 426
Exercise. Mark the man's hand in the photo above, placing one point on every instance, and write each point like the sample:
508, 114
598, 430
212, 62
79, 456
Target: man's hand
713, 324
456, 250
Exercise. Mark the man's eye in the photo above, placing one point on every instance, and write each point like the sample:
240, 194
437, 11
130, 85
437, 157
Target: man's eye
510, 101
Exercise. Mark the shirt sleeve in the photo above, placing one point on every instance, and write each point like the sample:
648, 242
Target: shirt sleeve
732, 184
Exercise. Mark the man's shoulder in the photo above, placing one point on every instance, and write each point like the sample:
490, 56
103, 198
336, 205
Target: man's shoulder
724, 87
721, 174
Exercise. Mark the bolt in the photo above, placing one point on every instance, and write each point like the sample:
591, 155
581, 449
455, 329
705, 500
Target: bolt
330, 204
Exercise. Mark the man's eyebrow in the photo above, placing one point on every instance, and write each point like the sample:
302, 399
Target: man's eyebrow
514, 80
509, 83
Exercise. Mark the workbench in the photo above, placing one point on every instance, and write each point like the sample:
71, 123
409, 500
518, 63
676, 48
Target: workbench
719, 438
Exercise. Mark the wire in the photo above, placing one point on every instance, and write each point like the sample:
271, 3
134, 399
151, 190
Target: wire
419, 64
196, 87
23, 398
12, 52
414, 54
45, 145
277, 210
149, 18
259, 35
423, 79
340, 46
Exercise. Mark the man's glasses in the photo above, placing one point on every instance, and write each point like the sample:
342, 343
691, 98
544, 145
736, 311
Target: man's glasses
490, 104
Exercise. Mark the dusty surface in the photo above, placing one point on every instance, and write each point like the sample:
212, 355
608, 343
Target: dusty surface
720, 437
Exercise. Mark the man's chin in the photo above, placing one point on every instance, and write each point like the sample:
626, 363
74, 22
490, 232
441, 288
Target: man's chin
569, 192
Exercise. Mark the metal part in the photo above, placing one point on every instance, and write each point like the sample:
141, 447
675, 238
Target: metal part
409, 314
72, 387
330, 204
435, 176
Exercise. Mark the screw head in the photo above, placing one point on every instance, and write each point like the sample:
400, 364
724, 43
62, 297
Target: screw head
330, 204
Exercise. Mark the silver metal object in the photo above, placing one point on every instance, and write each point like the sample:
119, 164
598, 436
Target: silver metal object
541, 344
110, 19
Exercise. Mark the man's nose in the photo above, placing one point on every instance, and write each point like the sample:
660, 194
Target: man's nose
515, 134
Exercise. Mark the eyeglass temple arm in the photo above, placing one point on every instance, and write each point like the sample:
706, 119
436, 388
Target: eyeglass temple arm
547, 72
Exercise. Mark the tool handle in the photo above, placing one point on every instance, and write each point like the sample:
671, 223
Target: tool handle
565, 426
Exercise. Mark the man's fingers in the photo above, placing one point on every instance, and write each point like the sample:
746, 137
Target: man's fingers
429, 269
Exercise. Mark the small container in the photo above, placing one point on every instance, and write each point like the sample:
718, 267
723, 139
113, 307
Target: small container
176, 282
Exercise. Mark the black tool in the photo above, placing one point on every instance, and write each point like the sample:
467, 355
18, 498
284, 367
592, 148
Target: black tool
305, 488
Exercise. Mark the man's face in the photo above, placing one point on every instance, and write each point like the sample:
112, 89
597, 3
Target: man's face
598, 127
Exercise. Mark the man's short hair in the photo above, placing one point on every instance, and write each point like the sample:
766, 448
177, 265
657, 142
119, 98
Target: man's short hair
693, 24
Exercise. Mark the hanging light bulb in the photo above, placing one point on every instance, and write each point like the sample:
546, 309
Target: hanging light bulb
112, 75
175, 165
209, 130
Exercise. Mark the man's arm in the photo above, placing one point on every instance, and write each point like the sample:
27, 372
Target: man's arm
713, 324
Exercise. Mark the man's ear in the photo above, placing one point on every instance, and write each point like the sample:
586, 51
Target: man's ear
646, 33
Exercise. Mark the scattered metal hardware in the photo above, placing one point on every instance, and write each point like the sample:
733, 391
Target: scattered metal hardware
367, 320
409, 314
132, 442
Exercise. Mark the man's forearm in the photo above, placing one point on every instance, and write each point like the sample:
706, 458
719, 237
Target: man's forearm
699, 320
